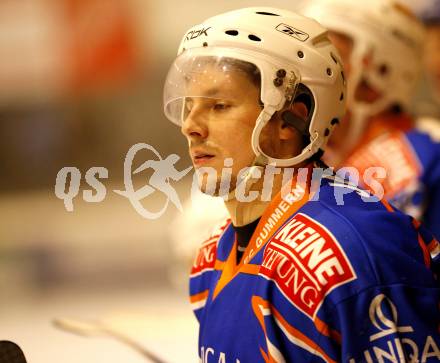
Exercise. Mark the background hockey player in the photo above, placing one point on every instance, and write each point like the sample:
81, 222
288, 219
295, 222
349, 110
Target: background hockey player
294, 276
381, 44
427, 102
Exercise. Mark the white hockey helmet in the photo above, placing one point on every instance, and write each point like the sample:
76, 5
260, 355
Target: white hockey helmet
290, 52
386, 33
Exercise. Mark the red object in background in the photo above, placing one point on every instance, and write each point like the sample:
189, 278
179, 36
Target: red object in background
101, 51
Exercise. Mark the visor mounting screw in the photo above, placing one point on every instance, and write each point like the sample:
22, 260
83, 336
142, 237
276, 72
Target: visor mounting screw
300, 54
281, 73
278, 82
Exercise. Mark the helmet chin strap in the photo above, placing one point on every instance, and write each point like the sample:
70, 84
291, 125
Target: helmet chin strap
358, 121
264, 117
242, 212
361, 113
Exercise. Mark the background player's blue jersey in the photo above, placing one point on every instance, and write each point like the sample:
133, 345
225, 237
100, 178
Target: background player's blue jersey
427, 196
412, 162
327, 283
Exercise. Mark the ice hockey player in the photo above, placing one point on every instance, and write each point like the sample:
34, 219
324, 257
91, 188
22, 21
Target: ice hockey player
303, 271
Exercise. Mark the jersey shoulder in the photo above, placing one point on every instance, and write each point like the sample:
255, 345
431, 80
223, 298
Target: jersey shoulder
382, 244
206, 254
203, 269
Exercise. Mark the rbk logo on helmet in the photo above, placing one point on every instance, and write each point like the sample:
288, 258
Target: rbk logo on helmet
289, 30
196, 33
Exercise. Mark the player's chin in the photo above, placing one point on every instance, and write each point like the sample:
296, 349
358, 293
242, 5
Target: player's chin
207, 181
216, 188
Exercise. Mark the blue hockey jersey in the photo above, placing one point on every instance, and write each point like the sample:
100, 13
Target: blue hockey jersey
319, 282
412, 162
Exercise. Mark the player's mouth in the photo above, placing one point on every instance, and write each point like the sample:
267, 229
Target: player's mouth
200, 157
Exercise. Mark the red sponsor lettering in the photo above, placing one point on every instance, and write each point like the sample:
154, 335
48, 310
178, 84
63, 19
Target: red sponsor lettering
306, 262
401, 163
207, 254
205, 259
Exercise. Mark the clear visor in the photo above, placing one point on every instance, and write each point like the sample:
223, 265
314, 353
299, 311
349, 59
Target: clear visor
210, 80
233, 84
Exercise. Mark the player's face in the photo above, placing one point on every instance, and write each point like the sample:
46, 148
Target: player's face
221, 128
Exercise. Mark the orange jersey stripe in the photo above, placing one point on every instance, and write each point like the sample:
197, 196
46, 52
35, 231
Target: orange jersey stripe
301, 337
219, 265
387, 205
426, 254
250, 269
324, 329
199, 297
258, 303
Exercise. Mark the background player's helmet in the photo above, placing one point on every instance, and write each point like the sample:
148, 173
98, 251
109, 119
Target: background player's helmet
389, 36
292, 55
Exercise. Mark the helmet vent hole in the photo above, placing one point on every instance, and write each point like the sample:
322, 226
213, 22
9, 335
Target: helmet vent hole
383, 69
329, 72
254, 38
334, 58
341, 97
234, 33
334, 121
266, 13
300, 54
343, 77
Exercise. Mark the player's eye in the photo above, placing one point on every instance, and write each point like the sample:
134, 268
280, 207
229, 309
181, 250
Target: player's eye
221, 106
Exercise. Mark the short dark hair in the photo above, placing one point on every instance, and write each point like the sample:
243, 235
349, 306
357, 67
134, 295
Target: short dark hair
249, 69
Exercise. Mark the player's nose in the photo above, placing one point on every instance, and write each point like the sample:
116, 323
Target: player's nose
194, 124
